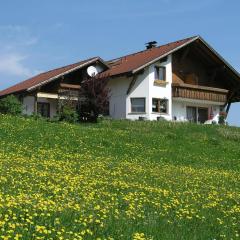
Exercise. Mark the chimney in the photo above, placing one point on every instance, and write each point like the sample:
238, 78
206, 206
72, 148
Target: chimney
151, 44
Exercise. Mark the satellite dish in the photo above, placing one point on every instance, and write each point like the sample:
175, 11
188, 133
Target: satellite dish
92, 71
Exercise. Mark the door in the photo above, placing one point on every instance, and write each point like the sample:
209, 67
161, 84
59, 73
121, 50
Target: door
197, 114
192, 114
43, 109
202, 115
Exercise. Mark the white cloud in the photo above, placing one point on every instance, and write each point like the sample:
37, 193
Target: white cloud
13, 65
16, 36
15, 42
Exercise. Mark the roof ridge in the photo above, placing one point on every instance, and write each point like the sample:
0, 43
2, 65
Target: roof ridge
146, 50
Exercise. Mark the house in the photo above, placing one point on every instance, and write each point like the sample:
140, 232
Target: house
186, 80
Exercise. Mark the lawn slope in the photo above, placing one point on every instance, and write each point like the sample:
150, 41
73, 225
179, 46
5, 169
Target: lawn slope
118, 180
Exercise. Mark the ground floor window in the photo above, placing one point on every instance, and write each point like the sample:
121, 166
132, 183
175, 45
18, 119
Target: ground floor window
138, 105
43, 109
159, 105
197, 114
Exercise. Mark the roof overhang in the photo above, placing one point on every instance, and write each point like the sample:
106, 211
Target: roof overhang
227, 64
197, 38
97, 59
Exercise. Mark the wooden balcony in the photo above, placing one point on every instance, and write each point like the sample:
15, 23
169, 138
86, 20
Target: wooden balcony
199, 92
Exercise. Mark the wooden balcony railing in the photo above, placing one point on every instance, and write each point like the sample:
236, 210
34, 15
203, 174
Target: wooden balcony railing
199, 92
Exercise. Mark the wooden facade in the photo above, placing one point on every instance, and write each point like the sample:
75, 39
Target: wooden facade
197, 75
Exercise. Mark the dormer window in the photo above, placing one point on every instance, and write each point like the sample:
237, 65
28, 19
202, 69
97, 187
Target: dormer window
160, 73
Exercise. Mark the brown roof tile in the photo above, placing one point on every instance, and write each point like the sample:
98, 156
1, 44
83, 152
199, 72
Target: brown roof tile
134, 61
40, 78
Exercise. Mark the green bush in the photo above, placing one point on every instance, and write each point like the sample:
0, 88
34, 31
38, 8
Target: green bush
10, 105
68, 114
222, 119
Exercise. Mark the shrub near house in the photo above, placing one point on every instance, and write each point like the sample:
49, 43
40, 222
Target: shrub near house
10, 105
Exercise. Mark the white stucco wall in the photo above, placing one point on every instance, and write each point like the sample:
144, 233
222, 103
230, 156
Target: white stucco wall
180, 108
162, 92
28, 105
144, 87
117, 100
139, 90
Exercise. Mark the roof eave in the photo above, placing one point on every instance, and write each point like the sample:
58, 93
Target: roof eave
66, 72
220, 57
185, 44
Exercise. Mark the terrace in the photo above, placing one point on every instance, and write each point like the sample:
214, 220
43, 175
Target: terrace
189, 91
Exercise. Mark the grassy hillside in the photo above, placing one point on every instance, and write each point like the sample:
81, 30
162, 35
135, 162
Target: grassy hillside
118, 180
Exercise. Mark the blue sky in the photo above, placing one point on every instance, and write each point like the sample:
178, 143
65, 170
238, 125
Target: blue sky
39, 35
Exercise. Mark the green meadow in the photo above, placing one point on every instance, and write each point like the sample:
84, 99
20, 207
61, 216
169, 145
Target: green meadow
118, 180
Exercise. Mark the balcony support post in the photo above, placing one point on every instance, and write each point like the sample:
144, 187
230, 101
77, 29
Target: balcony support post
228, 108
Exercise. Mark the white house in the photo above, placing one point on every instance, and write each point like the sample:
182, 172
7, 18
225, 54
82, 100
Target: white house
186, 80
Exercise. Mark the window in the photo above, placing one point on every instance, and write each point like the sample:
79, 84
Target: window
160, 73
192, 114
159, 105
197, 114
137, 105
43, 109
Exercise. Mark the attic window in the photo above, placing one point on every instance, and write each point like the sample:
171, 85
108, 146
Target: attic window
160, 73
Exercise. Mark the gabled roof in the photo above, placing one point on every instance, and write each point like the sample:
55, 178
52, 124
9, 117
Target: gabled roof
135, 62
131, 63
49, 76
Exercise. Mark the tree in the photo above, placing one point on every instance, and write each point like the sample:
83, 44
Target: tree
94, 98
67, 105
10, 105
